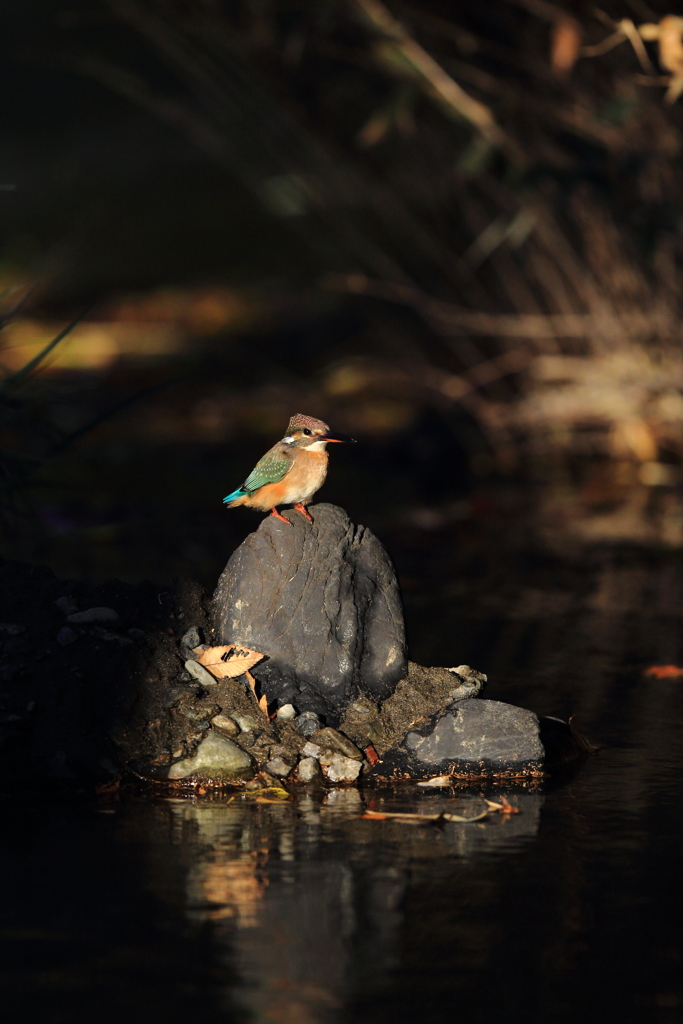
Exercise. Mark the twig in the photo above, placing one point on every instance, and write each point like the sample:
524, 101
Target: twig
24, 372
435, 78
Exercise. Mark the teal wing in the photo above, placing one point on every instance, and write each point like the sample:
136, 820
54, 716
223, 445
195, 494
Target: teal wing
269, 470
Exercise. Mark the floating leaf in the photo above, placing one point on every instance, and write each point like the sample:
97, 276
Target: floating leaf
229, 661
407, 817
504, 807
664, 671
438, 780
269, 795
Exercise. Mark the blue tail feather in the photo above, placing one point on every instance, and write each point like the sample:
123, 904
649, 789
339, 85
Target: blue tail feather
239, 493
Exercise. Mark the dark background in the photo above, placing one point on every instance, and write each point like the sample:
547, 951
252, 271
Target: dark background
268, 208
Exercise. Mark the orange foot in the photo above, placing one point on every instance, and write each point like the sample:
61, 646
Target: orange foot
274, 512
304, 511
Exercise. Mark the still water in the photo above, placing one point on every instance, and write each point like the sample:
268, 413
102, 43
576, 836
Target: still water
142, 908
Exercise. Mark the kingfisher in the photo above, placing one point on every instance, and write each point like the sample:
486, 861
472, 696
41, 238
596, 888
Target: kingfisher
291, 472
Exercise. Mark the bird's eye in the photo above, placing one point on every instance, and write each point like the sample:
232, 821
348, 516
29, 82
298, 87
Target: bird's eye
307, 432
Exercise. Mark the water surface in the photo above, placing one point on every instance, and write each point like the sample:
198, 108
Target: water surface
140, 908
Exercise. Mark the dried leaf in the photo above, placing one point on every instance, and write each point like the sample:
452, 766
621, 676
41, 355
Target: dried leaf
372, 755
263, 704
504, 807
565, 45
229, 661
382, 815
438, 780
252, 683
664, 671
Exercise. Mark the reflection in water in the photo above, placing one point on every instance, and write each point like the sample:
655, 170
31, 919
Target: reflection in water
305, 899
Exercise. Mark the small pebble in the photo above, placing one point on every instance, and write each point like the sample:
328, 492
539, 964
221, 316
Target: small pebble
94, 615
338, 768
307, 723
331, 739
308, 769
278, 767
225, 725
312, 750
201, 674
67, 605
245, 722
287, 712
66, 636
191, 638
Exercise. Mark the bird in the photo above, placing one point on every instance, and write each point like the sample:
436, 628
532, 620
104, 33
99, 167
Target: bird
291, 472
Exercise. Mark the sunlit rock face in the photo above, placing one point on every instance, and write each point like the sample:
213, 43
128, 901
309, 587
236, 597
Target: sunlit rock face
217, 758
322, 602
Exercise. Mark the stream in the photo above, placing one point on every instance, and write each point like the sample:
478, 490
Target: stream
143, 908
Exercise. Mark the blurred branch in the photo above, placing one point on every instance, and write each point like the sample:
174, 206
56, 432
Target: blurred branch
5, 318
448, 319
433, 77
20, 375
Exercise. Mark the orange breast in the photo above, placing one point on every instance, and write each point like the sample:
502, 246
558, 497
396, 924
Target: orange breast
306, 476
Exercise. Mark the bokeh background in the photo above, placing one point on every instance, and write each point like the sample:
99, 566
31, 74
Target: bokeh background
450, 230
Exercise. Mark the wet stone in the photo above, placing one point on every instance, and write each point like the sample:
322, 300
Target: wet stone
66, 636
225, 725
307, 723
331, 739
245, 722
191, 639
338, 768
308, 769
216, 758
287, 712
472, 736
278, 767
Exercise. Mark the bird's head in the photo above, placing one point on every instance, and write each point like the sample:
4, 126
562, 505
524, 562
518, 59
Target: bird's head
307, 432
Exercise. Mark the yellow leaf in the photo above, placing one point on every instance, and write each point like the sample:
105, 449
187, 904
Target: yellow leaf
670, 44
229, 661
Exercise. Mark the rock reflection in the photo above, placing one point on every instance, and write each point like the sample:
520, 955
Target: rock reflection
305, 898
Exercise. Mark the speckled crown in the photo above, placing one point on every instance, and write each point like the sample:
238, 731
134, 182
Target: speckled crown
300, 422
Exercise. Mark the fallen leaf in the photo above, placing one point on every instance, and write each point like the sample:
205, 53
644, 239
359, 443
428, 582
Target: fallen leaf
263, 704
565, 45
371, 754
438, 780
458, 817
664, 671
504, 807
229, 661
274, 794
407, 817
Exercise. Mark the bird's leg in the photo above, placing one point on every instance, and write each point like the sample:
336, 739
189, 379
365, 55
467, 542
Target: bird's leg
304, 511
274, 512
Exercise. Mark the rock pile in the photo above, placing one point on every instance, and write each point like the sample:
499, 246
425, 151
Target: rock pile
100, 682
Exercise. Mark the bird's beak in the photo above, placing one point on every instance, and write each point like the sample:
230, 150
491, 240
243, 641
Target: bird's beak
339, 438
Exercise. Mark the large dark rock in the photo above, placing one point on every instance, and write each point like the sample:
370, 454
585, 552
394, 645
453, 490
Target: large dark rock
472, 737
322, 602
